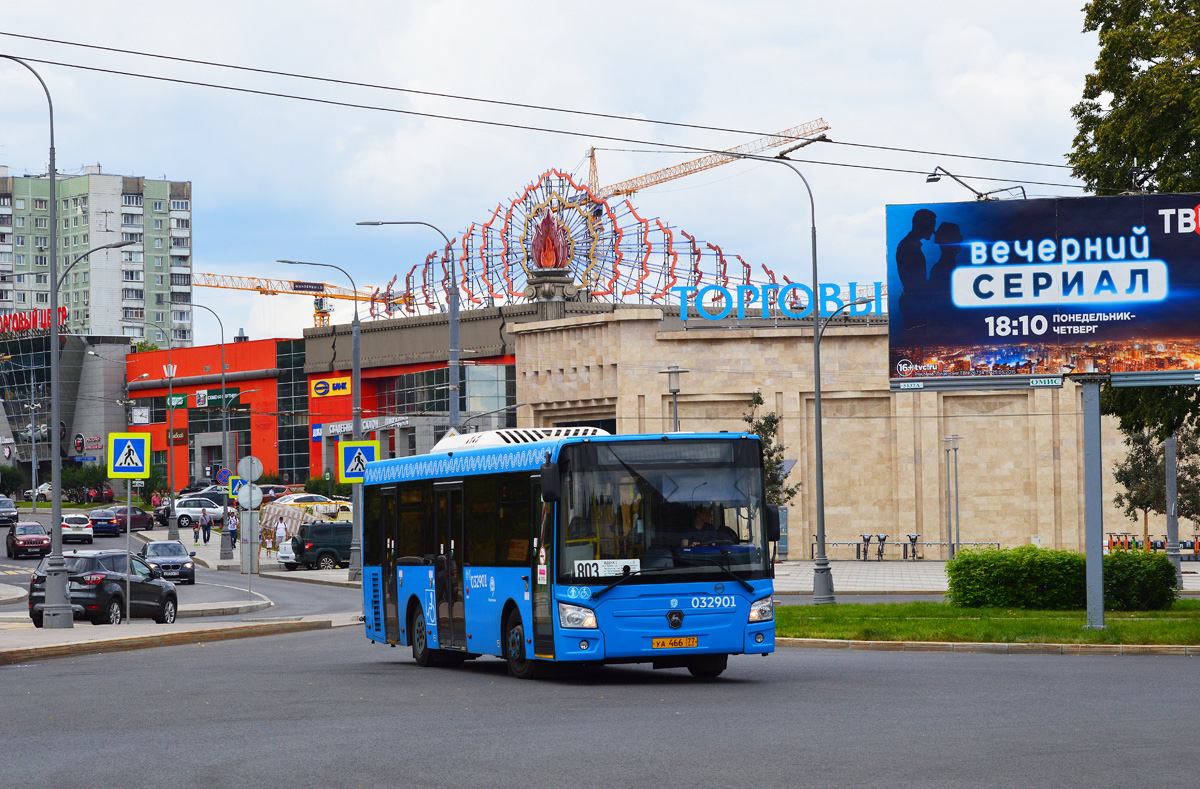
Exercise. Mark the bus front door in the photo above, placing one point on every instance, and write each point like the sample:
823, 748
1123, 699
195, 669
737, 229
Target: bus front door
452, 624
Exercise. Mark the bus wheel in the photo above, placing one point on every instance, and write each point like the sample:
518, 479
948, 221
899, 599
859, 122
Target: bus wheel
421, 652
709, 666
519, 665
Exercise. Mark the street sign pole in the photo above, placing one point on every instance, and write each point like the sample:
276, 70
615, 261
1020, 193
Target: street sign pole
128, 551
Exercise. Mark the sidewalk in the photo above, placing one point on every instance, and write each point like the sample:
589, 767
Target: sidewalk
210, 556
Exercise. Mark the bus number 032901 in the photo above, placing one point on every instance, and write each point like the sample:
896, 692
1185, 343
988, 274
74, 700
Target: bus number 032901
725, 601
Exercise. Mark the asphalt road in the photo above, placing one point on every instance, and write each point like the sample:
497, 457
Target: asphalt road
326, 708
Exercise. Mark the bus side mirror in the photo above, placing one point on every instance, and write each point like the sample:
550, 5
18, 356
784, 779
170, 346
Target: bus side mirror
772, 515
551, 482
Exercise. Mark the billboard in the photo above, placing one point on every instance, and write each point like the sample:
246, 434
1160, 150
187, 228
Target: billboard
1018, 293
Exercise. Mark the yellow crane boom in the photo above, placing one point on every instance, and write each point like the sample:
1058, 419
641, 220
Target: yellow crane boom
625, 188
274, 287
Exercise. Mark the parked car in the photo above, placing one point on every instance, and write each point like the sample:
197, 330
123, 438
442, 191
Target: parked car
316, 505
104, 522
8, 511
97, 584
187, 510
195, 486
43, 493
323, 545
176, 562
138, 517
77, 528
101, 494
218, 494
26, 539
287, 556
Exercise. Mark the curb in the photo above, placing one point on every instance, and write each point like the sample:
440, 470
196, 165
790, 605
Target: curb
195, 610
176, 638
318, 581
852, 592
6, 598
991, 648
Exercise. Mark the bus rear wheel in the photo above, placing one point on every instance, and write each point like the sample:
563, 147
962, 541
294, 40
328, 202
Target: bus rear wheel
419, 638
520, 665
709, 666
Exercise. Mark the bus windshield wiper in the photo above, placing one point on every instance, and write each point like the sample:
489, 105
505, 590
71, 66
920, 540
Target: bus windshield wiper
723, 569
627, 576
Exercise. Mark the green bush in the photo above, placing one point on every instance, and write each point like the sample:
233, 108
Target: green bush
319, 485
1049, 580
1138, 581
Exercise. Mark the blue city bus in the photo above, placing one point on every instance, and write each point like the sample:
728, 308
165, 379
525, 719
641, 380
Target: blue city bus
572, 545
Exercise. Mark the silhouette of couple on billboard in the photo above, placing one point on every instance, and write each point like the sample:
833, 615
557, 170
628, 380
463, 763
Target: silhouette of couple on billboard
925, 291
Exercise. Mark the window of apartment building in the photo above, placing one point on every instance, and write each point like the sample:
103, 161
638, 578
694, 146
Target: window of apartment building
158, 299
5, 238
41, 279
87, 314
131, 220
181, 205
134, 331
66, 203
177, 260
41, 260
180, 223
134, 237
131, 257
20, 279
85, 238
6, 257
5, 295
180, 316
158, 205
40, 205
131, 275
20, 260
19, 202
83, 201
159, 317
41, 241
181, 298
158, 261
19, 241
42, 298
20, 298
76, 299
5, 199
181, 241
66, 223
158, 243
6, 220
19, 221
85, 276
133, 293
158, 224
41, 221
181, 279
75, 221
158, 279
131, 199
135, 313
181, 334
158, 336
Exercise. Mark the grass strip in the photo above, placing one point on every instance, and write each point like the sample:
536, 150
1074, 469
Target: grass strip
1179, 624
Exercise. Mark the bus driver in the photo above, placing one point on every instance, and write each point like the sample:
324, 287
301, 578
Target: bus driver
703, 531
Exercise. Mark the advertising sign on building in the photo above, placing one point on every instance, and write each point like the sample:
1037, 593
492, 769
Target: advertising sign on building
177, 401
1019, 293
330, 387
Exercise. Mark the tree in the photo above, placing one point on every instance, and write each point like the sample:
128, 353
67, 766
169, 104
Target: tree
766, 427
143, 346
12, 481
1136, 130
1136, 124
1142, 474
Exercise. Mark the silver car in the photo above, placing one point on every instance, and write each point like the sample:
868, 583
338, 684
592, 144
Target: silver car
187, 510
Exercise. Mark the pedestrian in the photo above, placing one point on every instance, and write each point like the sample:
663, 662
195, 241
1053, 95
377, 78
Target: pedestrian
231, 523
155, 500
280, 533
206, 522
196, 532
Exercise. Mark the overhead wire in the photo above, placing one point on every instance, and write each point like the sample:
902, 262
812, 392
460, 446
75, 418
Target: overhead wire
495, 102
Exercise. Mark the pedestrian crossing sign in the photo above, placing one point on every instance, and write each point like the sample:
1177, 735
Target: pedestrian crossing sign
354, 456
128, 455
235, 484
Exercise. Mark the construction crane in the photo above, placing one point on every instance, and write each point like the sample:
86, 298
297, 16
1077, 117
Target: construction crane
376, 301
625, 188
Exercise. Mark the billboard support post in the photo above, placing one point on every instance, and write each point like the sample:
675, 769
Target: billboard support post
1093, 498
1172, 508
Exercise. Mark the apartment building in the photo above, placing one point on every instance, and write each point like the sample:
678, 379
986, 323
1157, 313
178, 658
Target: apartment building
140, 291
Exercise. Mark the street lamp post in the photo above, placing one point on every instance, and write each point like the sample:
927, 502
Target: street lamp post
673, 372
356, 416
33, 467
169, 374
57, 612
822, 578
953, 536
226, 546
452, 298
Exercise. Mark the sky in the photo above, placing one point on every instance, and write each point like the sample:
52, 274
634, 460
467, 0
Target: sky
277, 178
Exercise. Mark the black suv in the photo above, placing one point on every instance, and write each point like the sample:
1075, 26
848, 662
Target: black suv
324, 545
96, 584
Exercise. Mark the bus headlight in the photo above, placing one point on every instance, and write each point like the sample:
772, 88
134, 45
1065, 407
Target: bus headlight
762, 610
576, 616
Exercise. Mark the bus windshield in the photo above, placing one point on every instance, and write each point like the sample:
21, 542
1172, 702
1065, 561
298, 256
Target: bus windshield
689, 509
